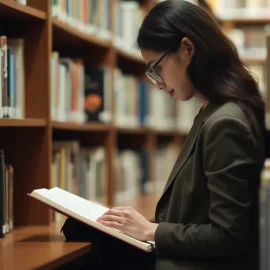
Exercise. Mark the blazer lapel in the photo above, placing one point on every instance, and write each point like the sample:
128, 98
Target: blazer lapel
190, 142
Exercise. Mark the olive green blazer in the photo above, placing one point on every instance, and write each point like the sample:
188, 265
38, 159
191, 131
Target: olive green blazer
207, 213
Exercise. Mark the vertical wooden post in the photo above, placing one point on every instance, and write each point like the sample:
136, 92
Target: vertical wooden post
151, 144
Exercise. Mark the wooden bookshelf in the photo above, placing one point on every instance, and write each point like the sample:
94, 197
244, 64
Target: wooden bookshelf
23, 122
94, 127
13, 10
254, 60
129, 56
246, 20
69, 35
37, 131
39, 247
171, 132
133, 131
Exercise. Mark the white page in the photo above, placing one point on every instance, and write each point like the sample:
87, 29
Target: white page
75, 203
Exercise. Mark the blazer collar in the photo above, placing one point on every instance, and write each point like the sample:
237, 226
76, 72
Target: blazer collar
190, 141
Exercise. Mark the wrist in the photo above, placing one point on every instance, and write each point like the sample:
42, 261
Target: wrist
150, 233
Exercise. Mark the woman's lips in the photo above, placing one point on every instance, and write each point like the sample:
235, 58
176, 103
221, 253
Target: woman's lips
169, 90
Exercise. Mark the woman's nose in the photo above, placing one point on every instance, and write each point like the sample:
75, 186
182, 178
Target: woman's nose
160, 85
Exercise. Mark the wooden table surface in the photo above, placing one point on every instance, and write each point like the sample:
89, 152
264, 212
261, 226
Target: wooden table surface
38, 247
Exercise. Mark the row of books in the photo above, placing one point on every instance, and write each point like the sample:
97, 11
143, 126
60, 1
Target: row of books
128, 18
89, 16
138, 102
265, 217
6, 196
246, 9
132, 175
82, 170
12, 78
162, 170
142, 172
95, 17
81, 94
250, 40
79, 170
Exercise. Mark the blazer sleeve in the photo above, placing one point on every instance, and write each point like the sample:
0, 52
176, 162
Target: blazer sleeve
229, 164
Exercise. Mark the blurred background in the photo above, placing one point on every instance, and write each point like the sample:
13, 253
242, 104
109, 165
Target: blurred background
77, 111
73, 88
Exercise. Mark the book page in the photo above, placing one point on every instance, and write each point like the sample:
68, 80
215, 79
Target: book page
75, 203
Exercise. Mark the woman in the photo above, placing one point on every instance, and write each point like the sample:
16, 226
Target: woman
206, 217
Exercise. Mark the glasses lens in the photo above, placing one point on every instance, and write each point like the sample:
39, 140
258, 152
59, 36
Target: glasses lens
154, 78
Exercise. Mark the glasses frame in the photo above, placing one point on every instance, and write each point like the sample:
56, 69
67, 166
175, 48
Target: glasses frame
151, 72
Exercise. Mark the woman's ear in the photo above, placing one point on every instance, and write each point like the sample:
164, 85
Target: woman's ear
187, 46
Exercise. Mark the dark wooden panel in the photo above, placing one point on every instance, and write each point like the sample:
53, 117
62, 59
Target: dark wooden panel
26, 149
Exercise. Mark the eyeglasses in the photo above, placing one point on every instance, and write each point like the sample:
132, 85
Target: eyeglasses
152, 74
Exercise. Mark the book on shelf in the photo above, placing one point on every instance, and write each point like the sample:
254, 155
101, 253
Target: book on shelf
79, 94
137, 103
132, 175
22, 2
67, 89
6, 197
84, 211
88, 16
164, 151
239, 9
98, 98
249, 40
128, 19
80, 170
12, 80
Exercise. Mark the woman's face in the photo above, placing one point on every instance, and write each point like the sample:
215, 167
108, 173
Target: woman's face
173, 70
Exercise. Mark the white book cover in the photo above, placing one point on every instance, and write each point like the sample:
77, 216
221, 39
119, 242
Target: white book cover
85, 211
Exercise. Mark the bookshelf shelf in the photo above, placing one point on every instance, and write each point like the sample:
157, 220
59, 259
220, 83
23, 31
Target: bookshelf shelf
22, 122
171, 132
93, 127
254, 60
10, 9
129, 56
25, 240
66, 34
49, 34
246, 20
133, 131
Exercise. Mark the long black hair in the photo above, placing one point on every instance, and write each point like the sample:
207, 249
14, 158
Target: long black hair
216, 70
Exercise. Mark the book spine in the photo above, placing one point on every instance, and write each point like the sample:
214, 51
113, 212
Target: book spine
5, 76
2, 195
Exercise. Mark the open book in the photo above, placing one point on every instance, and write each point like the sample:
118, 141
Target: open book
85, 211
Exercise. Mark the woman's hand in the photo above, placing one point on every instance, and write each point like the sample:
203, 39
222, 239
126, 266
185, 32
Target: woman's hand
130, 222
